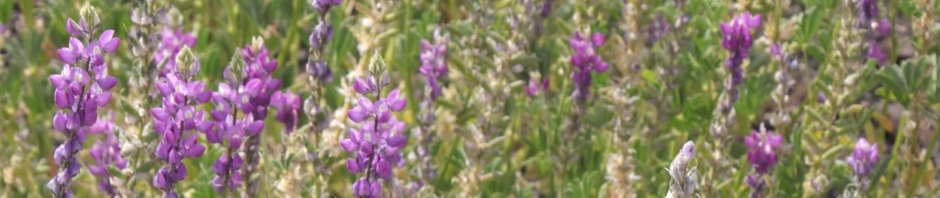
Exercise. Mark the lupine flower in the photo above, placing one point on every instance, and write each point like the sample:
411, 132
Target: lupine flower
259, 86
864, 158
762, 149
324, 6
868, 14
868, 10
546, 8
883, 26
378, 139
79, 95
227, 129
434, 63
321, 35
874, 51
757, 184
683, 179
762, 155
105, 153
288, 109
585, 59
176, 116
657, 29
318, 69
775, 49
737, 39
820, 97
172, 41
535, 87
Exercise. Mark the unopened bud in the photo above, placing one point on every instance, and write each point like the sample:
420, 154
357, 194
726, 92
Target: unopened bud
237, 66
140, 17
256, 44
90, 15
185, 60
174, 17
377, 64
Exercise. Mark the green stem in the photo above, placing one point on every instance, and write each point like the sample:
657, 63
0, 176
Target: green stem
894, 152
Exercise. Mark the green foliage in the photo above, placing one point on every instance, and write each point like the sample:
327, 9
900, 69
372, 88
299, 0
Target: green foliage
655, 96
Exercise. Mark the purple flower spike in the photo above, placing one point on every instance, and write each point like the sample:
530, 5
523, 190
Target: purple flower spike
324, 6
535, 87
762, 155
736, 38
762, 150
874, 51
176, 120
864, 158
79, 96
883, 26
757, 184
288, 109
546, 8
106, 153
584, 59
377, 142
868, 11
434, 63
775, 49
172, 41
322, 34
657, 29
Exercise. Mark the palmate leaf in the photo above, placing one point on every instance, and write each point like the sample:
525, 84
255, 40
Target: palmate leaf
902, 81
598, 115
893, 79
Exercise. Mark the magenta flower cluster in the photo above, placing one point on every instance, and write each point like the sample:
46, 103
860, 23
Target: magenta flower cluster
106, 153
657, 28
864, 157
762, 155
434, 64
377, 141
318, 69
171, 41
585, 59
536, 87
321, 35
81, 89
324, 6
176, 119
869, 18
287, 105
258, 69
736, 38
226, 126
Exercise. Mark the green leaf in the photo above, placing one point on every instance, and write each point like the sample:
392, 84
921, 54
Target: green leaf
649, 76
893, 78
598, 116
815, 50
113, 171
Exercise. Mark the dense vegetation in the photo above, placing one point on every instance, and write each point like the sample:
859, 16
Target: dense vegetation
464, 98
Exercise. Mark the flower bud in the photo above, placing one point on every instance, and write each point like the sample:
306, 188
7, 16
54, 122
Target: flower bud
90, 15
174, 17
237, 66
377, 64
185, 61
256, 44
